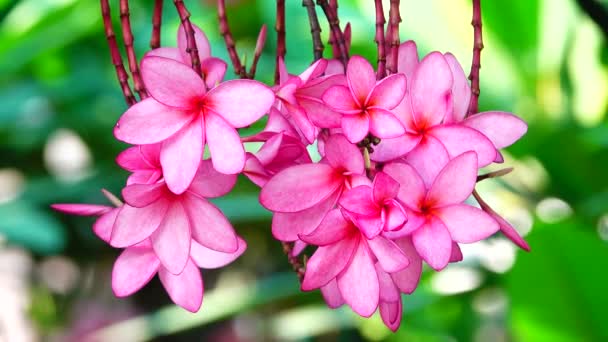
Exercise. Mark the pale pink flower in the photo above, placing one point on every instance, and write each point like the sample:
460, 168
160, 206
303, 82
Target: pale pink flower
144, 163
375, 209
437, 216
183, 116
365, 104
302, 195
171, 221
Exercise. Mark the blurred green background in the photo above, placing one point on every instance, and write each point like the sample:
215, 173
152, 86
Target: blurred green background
59, 99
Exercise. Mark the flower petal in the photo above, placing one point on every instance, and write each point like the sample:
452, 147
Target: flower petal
327, 262
331, 292
502, 128
467, 224
384, 124
355, 127
461, 91
149, 122
433, 243
133, 225
82, 209
142, 195
103, 226
172, 83
359, 283
332, 229
456, 253
394, 148
455, 182
342, 155
202, 44
391, 313
411, 186
458, 139
320, 114
208, 258
395, 216
431, 89
428, 158
171, 241
389, 92
407, 58
361, 78
132, 270
339, 98
385, 188
510, 232
209, 183
181, 155
227, 152
209, 226
389, 255
213, 70
407, 279
131, 159
299, 187
185, 289
240, 102
167, 52
313, 71
359, 200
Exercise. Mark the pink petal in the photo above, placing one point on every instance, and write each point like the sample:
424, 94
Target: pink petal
299, 187
407, 58
82, 209
142, 195
103, 226
384, 124
391, 313
411, 187
359, 200
278, 123
331, 292
327, 262
339, 98
455, 182
202, 44
208, 258
213, 70
133, 225
370, 226
289, 226
313, 71
144, 177
342, 155
209, 183
355, 127
334, 67
502, 128
431, 89
359, 283
361, 78
395, 216
171, 241
461, 91
388, 291
332, 229
131, 159
428, 158
185, 289
181, 155
394, 148
283, 74
385, 188
433, 243
389, 92
172, 83
458, 139
227, 153
456, 253
414, 221
133, 269
240, 102
320, 114
407, 279
389, 255
467, 224
298, 247
511, 233
209, 226
302, 122
149, 122
255, 171
167, 52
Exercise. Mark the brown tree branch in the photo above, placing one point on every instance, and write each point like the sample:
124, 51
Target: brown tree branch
298, 266
280, 28
334, 25
156, 22
476, 62
127, 36
380, 21
191, 48
315, 29
239, 69
393, 29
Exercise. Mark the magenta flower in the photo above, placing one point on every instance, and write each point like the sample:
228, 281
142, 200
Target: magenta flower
437, 216
183, 116
366, 105
302, 195
375, 209
171, 221
144, 163
138, 264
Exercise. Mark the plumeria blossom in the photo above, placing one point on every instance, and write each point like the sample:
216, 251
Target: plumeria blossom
302, 195
365, 104
143, 162
183, 116
437, 216
172, 221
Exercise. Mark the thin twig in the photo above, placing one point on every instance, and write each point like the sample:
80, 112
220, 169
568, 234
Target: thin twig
156, 22
380, 21
315, 29
280, 28
334, 25
121, 73
298, 266
191, 48
127, 35
476, 62
495, 174
239, 69
259, 46
393, 28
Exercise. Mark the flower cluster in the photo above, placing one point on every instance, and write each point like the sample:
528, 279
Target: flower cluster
399, 158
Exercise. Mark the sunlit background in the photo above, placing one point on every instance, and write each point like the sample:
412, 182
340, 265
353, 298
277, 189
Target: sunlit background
59, 99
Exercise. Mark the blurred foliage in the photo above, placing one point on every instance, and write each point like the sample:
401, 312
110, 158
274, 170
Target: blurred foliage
544, 60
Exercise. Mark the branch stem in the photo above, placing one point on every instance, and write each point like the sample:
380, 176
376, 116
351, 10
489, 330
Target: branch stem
239, 69
476, 62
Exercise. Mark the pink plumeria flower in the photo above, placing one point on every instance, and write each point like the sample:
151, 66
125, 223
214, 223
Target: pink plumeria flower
375, 209
144, 163
365, 104
171, 221
348, 257
279, 152
300, 196
437, 216
138, 264
183, 116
